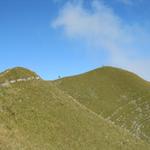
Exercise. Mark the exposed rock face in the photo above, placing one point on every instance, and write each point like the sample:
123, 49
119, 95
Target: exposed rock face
7, 83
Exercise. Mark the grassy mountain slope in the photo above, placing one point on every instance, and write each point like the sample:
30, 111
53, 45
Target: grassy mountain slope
16, 73
116, 94
36, 115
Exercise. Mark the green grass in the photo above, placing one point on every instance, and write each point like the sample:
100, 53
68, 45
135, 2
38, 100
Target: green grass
16, 73
116, 94
37, 115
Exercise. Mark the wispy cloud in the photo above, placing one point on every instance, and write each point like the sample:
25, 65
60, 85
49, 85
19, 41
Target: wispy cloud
104, 29
129, 2
126, 2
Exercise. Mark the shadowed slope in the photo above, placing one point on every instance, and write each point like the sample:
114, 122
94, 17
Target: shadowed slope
116, 94
36, 115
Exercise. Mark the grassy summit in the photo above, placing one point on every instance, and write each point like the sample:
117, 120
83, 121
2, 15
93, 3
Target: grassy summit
16, 73
116, 94
37, 115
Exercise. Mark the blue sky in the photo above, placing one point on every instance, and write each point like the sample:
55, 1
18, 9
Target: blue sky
66, 37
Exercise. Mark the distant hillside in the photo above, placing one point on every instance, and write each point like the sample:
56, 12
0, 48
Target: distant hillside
37, 115
116, 94
16, 73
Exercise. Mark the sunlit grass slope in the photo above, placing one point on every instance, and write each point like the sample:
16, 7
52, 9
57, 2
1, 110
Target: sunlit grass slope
36, 115
116, 94
16, 73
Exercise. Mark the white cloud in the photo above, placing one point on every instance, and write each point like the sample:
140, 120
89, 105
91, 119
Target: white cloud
103, 29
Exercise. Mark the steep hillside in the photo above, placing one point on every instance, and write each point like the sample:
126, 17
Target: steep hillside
36, 115
116, 94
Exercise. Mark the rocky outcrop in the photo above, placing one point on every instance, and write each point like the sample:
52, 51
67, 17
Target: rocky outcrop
9, 82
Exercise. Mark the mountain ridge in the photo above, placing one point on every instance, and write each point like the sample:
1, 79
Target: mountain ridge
17, 72
40, 114
110, 92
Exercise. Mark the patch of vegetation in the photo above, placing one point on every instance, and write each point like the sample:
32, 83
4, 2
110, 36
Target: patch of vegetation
16, 73
116, 94
37, 115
